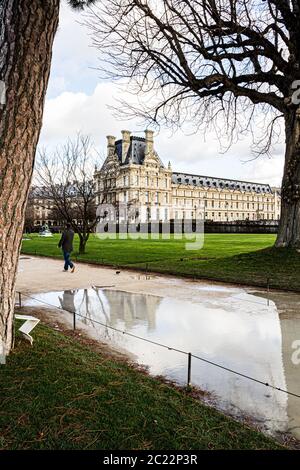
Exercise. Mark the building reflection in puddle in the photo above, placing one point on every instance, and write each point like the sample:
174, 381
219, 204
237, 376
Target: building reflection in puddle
237, 329
288, 308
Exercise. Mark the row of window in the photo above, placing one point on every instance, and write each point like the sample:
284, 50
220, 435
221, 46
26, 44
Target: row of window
53, 223
164, 199
159, 215
240, 205
219, 216
147, 197
148, 181
221, 195
196, 194
238, 216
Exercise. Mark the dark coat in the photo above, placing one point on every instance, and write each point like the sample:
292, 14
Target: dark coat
66, 241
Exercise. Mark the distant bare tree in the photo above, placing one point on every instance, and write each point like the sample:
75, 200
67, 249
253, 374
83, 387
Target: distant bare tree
220, 62
66, 179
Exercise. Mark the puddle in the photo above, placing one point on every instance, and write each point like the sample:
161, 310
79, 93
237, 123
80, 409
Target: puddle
238, 329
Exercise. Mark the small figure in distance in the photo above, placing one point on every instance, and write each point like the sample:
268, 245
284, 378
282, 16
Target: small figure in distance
66, 244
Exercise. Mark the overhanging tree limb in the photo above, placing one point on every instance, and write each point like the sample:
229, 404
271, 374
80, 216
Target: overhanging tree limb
210, 61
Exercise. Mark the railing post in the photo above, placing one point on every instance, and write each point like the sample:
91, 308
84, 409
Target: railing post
189, 369
74, 320
20, 299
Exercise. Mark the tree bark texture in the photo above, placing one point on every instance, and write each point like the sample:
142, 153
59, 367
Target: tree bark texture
289, 227
27, 30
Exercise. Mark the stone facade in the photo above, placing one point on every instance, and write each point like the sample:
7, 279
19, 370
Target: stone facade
133, 175
41, 207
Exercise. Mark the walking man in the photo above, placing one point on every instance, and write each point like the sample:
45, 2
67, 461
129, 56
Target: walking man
66, 244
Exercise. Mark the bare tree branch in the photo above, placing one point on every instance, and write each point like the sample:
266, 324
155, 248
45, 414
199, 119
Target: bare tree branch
66, 180
188, 58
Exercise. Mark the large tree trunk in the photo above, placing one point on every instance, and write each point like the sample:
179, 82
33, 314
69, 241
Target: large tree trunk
289, 227
27, 29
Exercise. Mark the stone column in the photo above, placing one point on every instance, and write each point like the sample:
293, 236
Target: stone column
110, 145
149, 141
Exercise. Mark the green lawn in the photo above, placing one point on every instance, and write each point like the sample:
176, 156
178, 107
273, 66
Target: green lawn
60, 394
242, 258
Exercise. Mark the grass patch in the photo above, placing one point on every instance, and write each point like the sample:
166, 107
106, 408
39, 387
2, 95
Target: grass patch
60, 394
240, 258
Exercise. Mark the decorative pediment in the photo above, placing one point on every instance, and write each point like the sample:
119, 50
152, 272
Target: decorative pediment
110, 164
152, 159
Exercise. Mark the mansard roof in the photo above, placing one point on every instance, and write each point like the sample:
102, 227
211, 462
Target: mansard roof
136, 151
220, 183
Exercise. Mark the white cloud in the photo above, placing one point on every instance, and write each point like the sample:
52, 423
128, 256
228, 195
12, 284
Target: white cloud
71, 112
78, 101
73, 57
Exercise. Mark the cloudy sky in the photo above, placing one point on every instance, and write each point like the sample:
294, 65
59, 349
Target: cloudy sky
78, 100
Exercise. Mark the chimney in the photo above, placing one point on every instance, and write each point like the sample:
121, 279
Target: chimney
149, 141
125, 144
110, 145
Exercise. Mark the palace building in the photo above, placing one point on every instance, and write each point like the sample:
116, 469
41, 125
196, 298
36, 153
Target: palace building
134, 175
